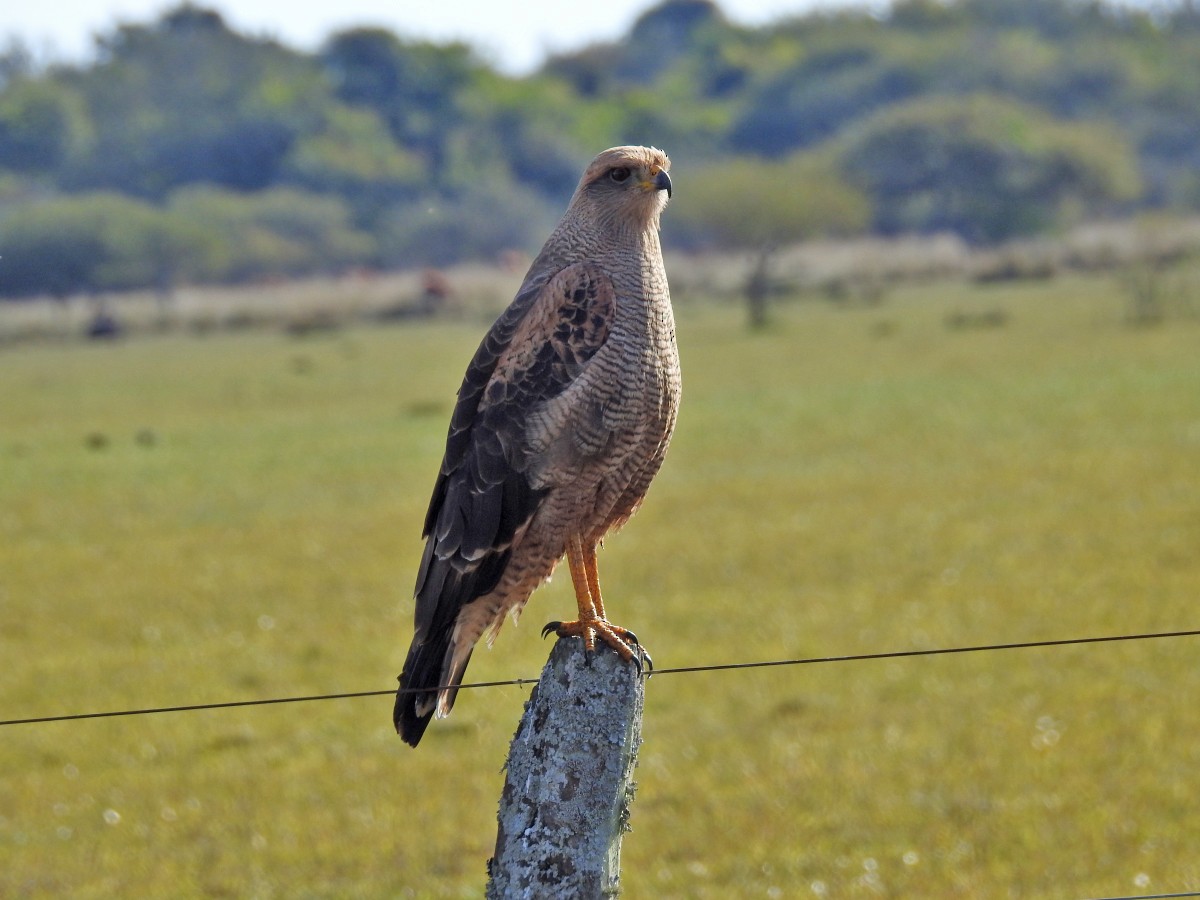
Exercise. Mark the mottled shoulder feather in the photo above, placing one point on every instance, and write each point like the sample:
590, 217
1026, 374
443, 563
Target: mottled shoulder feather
483, 497
480, 371
565, 326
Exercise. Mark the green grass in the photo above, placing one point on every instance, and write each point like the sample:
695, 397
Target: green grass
235, 517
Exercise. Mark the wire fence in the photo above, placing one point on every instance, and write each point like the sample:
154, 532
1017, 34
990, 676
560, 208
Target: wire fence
679, 670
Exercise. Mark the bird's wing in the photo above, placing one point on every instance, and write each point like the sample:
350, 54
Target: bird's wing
483, 498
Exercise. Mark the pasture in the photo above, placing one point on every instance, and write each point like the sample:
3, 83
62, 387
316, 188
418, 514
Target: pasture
237, 516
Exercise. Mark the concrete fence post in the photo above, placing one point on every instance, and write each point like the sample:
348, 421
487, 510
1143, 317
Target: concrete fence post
568, 785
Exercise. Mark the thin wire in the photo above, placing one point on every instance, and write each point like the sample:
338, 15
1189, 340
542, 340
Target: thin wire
901, 654
1153, 896
718, 667
195, 707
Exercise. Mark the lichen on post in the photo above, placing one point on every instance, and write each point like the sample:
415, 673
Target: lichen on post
568, 785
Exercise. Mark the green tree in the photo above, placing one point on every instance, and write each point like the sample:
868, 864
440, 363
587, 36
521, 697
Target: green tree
818, 96
43, 125
275, 232
984, 167
354, 156
664, 34
417, 87
187, 100
476, 223
762, 206
87, 243
994, 118
16, 61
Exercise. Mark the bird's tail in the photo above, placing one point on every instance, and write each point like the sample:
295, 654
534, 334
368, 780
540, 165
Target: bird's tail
429, 666
442, 645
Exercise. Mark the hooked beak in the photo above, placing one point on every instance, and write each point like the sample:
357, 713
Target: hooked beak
662, 182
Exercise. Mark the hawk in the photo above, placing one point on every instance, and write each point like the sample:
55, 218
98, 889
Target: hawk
562, 421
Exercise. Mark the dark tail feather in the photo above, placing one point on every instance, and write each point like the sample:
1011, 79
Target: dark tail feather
443, 589
416, 700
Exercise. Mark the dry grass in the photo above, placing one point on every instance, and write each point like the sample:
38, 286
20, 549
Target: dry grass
478, 293
1155, 256
189, 520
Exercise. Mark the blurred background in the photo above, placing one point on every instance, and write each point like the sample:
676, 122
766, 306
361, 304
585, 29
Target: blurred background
936, 270
227, 157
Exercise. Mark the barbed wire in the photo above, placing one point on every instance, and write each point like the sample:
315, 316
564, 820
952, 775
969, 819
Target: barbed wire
679, 670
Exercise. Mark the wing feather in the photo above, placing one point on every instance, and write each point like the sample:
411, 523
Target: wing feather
484, 497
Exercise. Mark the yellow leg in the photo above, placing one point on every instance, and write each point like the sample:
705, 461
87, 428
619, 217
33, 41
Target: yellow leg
592, 624
583, 578
591, 567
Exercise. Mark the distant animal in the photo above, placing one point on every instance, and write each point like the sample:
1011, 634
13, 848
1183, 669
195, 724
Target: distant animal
562, 421
104, 326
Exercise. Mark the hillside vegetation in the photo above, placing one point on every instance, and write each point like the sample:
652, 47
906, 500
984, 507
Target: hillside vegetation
187, 152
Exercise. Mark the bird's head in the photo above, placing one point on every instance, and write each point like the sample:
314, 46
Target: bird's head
630, 184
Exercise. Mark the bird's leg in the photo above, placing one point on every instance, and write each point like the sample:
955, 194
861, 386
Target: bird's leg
590, 611
592, 569
592, 624
628, 639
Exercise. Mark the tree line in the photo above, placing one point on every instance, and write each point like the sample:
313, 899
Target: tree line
185, 151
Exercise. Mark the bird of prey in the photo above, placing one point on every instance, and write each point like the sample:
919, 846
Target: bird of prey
562, 421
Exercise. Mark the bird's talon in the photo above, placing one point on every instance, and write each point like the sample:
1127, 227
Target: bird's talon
623, 641
642, 661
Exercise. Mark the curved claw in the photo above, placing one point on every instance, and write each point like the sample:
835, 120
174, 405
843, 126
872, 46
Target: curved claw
622, 640
642, 661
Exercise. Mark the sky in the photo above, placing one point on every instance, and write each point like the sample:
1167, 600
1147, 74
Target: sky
513, 36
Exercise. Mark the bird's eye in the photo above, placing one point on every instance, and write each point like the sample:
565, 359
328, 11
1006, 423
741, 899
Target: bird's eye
618, 175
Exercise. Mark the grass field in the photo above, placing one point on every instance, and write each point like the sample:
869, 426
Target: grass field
185, 520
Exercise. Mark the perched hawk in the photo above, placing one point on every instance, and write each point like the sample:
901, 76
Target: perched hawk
562, 421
